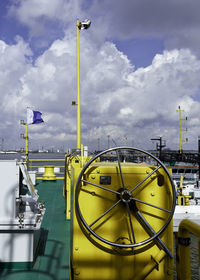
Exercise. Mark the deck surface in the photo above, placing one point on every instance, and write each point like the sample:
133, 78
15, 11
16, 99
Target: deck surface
52, 262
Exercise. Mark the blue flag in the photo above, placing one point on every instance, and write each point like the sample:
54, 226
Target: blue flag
34, 117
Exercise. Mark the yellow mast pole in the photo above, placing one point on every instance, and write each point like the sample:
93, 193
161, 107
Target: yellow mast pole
26, 143
78, 90
180, 129
25, 137
180, 136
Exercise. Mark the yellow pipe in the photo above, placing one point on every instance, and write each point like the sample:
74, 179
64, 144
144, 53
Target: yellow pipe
199, 251
78, 90
180, 129
81, 155
189, 226
183, 251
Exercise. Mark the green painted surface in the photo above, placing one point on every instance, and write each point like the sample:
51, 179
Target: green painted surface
52, 261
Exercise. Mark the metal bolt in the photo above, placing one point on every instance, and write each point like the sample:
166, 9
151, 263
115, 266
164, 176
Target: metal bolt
76, 272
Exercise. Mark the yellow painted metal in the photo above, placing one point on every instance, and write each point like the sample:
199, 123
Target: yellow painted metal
57, 178
151, 265
68, 191
78, 90
183, 251
49, 173
75, 162
38, 174
78, 27
180, 136
180, 129
91, 258
182, 199
26, 142
47, 159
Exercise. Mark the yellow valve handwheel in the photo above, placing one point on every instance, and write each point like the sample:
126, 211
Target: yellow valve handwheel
125, 197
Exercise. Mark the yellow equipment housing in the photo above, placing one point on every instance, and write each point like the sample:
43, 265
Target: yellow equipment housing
76, 162
121, 227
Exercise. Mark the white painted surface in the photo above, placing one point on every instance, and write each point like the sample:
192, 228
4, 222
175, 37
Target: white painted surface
19, 226
42, 169
32, 175
9, 186
190, 212
16, 246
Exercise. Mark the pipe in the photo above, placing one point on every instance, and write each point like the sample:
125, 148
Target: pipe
183, 250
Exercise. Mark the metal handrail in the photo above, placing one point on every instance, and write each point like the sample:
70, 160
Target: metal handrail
38, 166
48, 159
186, 228
38, 174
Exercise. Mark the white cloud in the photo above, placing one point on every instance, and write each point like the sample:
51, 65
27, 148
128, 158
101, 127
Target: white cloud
177, 23
144, 102
117, 100
38, 14
14, 62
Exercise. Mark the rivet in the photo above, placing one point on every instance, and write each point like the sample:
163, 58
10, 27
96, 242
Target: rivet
77, 272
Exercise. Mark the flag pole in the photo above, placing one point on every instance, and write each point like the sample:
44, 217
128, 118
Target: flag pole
26, 146
25, 137
79, 25
78, 145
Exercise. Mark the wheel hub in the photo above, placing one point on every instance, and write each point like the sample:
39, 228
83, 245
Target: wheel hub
125, 196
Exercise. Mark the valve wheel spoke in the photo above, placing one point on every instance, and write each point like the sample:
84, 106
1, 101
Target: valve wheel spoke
98, 186
149, 204
120, 169
107, 211
130, 221
140, 183
151, 232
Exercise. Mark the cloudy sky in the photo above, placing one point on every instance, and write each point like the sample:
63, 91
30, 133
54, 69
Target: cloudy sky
139, 61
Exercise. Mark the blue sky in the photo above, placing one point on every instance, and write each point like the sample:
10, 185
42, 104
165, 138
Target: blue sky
140, 51
139, 62
9, 27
